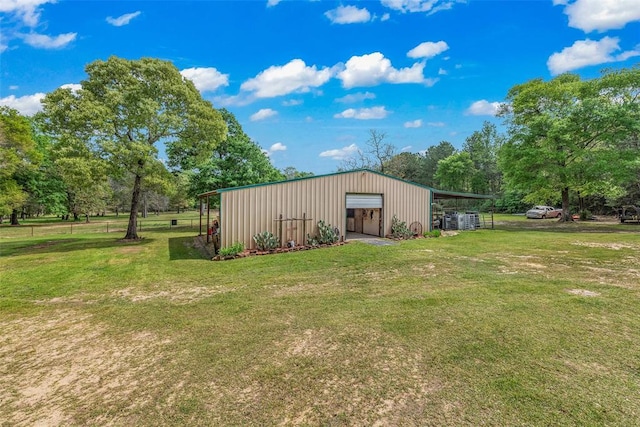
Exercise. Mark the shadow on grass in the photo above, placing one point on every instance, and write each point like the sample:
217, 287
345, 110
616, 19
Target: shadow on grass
64, 245
185, 248
553, 226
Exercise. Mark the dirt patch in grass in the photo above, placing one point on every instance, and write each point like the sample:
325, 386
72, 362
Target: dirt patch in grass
354, 375
613, 246
182, 295
129, 249
55, 366
583, 292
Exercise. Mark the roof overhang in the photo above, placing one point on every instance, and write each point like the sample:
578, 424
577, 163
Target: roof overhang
440, 194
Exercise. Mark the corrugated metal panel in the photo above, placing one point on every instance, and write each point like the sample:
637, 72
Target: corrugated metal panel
247, 211
355, 201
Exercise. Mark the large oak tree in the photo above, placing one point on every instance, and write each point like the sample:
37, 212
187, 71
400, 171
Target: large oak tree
569, 134
125, 109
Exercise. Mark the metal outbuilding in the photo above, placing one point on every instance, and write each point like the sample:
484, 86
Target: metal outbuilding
359, 201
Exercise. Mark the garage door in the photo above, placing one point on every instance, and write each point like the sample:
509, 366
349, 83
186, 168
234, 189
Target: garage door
358, 201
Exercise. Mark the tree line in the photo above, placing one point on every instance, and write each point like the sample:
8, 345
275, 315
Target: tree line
568, 141
96, 148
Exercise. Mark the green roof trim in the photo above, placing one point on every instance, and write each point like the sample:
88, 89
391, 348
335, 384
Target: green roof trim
433, 190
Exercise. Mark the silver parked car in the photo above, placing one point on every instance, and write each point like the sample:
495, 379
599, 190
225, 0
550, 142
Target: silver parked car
542, 212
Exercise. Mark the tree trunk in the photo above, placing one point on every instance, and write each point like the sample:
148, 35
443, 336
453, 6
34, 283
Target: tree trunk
132, 229
566, 216
14, 217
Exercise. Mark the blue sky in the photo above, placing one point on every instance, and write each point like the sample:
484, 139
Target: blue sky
308, 79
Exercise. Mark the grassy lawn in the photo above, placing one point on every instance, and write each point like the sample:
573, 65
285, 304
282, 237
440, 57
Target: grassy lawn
534, 323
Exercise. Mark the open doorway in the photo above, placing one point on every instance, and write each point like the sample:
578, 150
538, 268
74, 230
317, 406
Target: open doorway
364, 215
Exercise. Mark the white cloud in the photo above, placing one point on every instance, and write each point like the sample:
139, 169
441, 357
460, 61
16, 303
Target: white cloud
123, 19
348, 15
412, 6
442, 72
278, 146
271, 3
263, 114
292, 102
343, 153
26, 105
294, 77
28, 11
73, 86
356, 97
206, 79
43, 41
413, 124
374, 68
587, 52
428, 49
406, 149
14, 87
436, 124
363, 113
385, 17
483, 108
3, 46
600, 15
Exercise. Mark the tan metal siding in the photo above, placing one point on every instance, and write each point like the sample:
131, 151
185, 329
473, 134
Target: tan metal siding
247, 211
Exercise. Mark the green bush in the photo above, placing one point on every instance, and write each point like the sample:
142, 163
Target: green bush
266, 241
433, 233
326, 235
585, 215
399, 229
232, 250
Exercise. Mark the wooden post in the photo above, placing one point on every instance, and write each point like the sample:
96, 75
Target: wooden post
200, 212
280, 231
209, 236
304, 228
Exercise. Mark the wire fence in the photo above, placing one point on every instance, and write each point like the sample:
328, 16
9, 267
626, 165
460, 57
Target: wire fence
39, 230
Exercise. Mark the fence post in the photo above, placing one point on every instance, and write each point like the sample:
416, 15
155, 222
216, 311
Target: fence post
107, 226
71, 228
32, 231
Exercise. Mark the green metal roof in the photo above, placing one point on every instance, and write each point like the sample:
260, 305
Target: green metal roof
436, 193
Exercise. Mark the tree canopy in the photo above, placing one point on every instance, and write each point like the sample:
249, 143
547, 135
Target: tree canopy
124, 110
569, 134
19, 158
236, 161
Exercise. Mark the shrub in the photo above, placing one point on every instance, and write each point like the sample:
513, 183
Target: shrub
232, 250
432, 233
266, 241
399, 229
326, 235
585, 215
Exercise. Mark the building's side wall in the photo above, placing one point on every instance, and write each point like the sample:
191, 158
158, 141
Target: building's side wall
245, 212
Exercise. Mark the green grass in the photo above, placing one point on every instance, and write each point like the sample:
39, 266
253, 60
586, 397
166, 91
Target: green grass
491, 327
